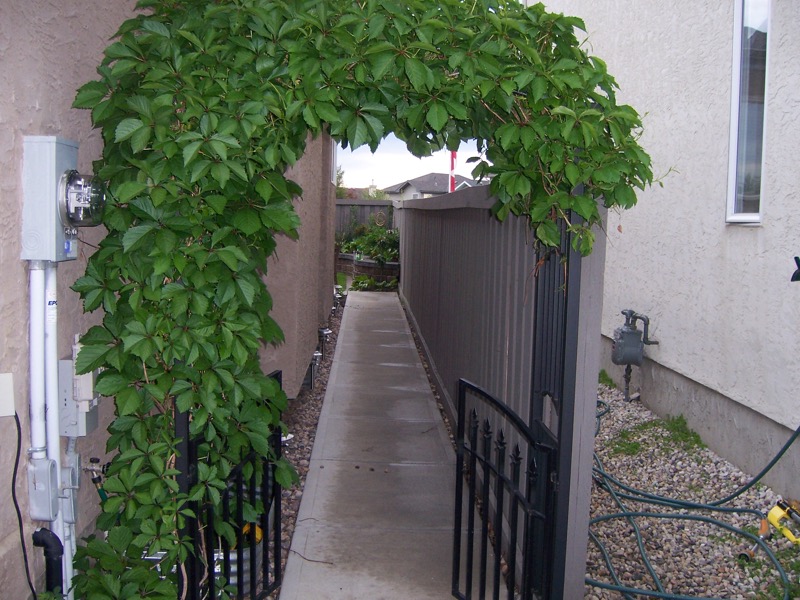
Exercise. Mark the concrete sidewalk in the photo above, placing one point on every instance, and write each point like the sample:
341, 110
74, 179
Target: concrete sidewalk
375, 521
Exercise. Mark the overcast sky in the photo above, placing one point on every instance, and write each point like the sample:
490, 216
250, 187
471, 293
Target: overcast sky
392, 164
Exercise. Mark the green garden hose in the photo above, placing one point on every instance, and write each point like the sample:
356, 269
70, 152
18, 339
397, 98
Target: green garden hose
607, 482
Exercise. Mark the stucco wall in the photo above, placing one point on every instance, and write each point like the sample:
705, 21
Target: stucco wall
300, 276
48, 50
718, 296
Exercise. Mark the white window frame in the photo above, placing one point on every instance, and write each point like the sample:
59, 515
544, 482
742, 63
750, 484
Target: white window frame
732, 216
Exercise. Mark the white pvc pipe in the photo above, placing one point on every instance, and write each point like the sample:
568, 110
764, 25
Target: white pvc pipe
71, 545
53, 425
36, 358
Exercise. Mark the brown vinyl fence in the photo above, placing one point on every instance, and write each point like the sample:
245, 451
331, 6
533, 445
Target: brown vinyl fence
491, 310
351, 213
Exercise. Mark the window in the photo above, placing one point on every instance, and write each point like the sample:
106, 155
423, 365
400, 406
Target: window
751, 23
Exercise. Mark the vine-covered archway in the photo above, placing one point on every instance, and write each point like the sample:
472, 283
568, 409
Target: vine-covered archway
203, 105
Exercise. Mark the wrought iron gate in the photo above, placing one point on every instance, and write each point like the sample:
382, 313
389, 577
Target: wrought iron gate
514, 505
251, 505
521, 495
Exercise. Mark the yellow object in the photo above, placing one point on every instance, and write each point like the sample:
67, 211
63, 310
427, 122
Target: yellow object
246, 532
781, 512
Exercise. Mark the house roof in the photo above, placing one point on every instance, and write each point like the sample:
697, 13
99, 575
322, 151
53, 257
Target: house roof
432, 183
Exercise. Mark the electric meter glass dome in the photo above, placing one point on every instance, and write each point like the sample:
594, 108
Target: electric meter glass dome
81, 199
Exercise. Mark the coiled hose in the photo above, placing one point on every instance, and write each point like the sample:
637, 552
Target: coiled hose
611, 485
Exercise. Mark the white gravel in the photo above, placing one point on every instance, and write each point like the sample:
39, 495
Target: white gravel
691, 558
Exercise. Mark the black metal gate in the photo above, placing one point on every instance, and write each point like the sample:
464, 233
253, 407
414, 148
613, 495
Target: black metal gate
521, 496
514, 505
250, 568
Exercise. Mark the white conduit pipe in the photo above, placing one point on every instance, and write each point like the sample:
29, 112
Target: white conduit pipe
71, 543
36, 311
53, 425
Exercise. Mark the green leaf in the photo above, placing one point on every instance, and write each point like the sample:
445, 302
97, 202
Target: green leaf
126, 128
417, 73
90, 94
376, 26
381, 64
128, 401
119, 538
437, 116
135, 236
129, 190
141, 105
285, 474
585, 207
358, 132
109, 383
247, 289
280, 218
327, 112
548, 232
573, 173
538, 88
156, 27
563, 110
90, 357
221, 173
247, 221
190, 152
191, 37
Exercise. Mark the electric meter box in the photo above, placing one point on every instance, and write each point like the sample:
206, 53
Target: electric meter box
44, 235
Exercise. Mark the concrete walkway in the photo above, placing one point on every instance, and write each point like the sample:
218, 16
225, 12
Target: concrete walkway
375, 521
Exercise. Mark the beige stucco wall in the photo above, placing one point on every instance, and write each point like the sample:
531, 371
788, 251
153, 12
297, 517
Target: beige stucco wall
300, 275
48, 50
718, 296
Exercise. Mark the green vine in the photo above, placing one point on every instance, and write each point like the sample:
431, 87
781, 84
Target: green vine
203, 105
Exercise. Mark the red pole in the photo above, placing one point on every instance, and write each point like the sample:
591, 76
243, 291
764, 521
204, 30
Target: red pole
453, 171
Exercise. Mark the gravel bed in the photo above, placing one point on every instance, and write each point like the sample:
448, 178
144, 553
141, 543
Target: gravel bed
691, 558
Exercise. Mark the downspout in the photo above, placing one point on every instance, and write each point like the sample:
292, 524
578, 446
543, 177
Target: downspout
53, 426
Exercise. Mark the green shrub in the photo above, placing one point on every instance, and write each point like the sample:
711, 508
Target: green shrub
379, 243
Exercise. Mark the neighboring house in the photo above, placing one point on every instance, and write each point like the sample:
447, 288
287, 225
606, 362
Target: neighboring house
432, 184
49, 50
708, 257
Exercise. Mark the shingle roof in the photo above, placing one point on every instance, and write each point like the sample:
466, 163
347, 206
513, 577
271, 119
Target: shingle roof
432, 183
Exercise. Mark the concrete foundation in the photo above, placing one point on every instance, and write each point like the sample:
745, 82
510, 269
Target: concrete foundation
745, 437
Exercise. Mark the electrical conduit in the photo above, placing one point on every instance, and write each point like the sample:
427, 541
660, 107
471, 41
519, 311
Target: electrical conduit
53, 426
36, 311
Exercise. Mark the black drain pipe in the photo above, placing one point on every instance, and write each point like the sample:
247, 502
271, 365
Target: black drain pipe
53, 553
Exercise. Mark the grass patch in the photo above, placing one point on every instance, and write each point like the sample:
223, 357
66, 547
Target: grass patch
341, 279
680, 434
605, 379
626, 444
790, 561
673, 432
